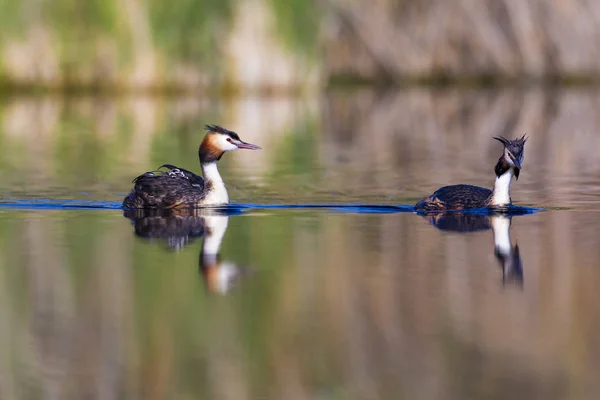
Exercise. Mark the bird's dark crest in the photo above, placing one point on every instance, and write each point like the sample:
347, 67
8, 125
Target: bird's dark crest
515, 146
221, 130
502, 140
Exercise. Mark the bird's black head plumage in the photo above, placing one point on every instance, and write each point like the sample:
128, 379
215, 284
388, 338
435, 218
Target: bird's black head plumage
515, 146
513, 154
222, 131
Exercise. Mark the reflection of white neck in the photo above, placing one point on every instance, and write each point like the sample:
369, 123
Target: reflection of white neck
214, 230
501, 193
501, 229
217, 193
225, 271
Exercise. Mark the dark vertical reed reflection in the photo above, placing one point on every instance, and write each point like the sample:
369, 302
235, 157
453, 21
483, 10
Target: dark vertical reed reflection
177, 228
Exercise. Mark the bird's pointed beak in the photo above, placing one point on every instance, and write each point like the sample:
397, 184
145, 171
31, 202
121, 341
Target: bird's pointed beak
517, 163
248, 146
514, 160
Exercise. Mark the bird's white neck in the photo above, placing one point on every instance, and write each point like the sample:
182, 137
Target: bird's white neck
213, 183
501, 192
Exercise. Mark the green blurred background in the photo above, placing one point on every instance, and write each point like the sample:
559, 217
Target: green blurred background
155, 45
283, 45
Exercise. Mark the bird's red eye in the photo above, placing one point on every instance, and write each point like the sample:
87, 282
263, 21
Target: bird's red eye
229, 140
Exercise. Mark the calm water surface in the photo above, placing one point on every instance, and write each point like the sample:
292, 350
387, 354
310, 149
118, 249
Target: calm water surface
335, 303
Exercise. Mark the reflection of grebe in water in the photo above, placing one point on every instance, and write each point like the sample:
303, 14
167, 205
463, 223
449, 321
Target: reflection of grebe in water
507, 255
219, 275
179, 227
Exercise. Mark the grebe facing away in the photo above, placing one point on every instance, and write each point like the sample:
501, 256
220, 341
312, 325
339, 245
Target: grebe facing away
462, 197
176, 187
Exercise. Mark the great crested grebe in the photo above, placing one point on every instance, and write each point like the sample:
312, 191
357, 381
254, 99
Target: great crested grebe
176, 187
462, 197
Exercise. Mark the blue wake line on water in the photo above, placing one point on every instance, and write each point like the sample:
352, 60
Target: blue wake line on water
349, 208
47, 204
